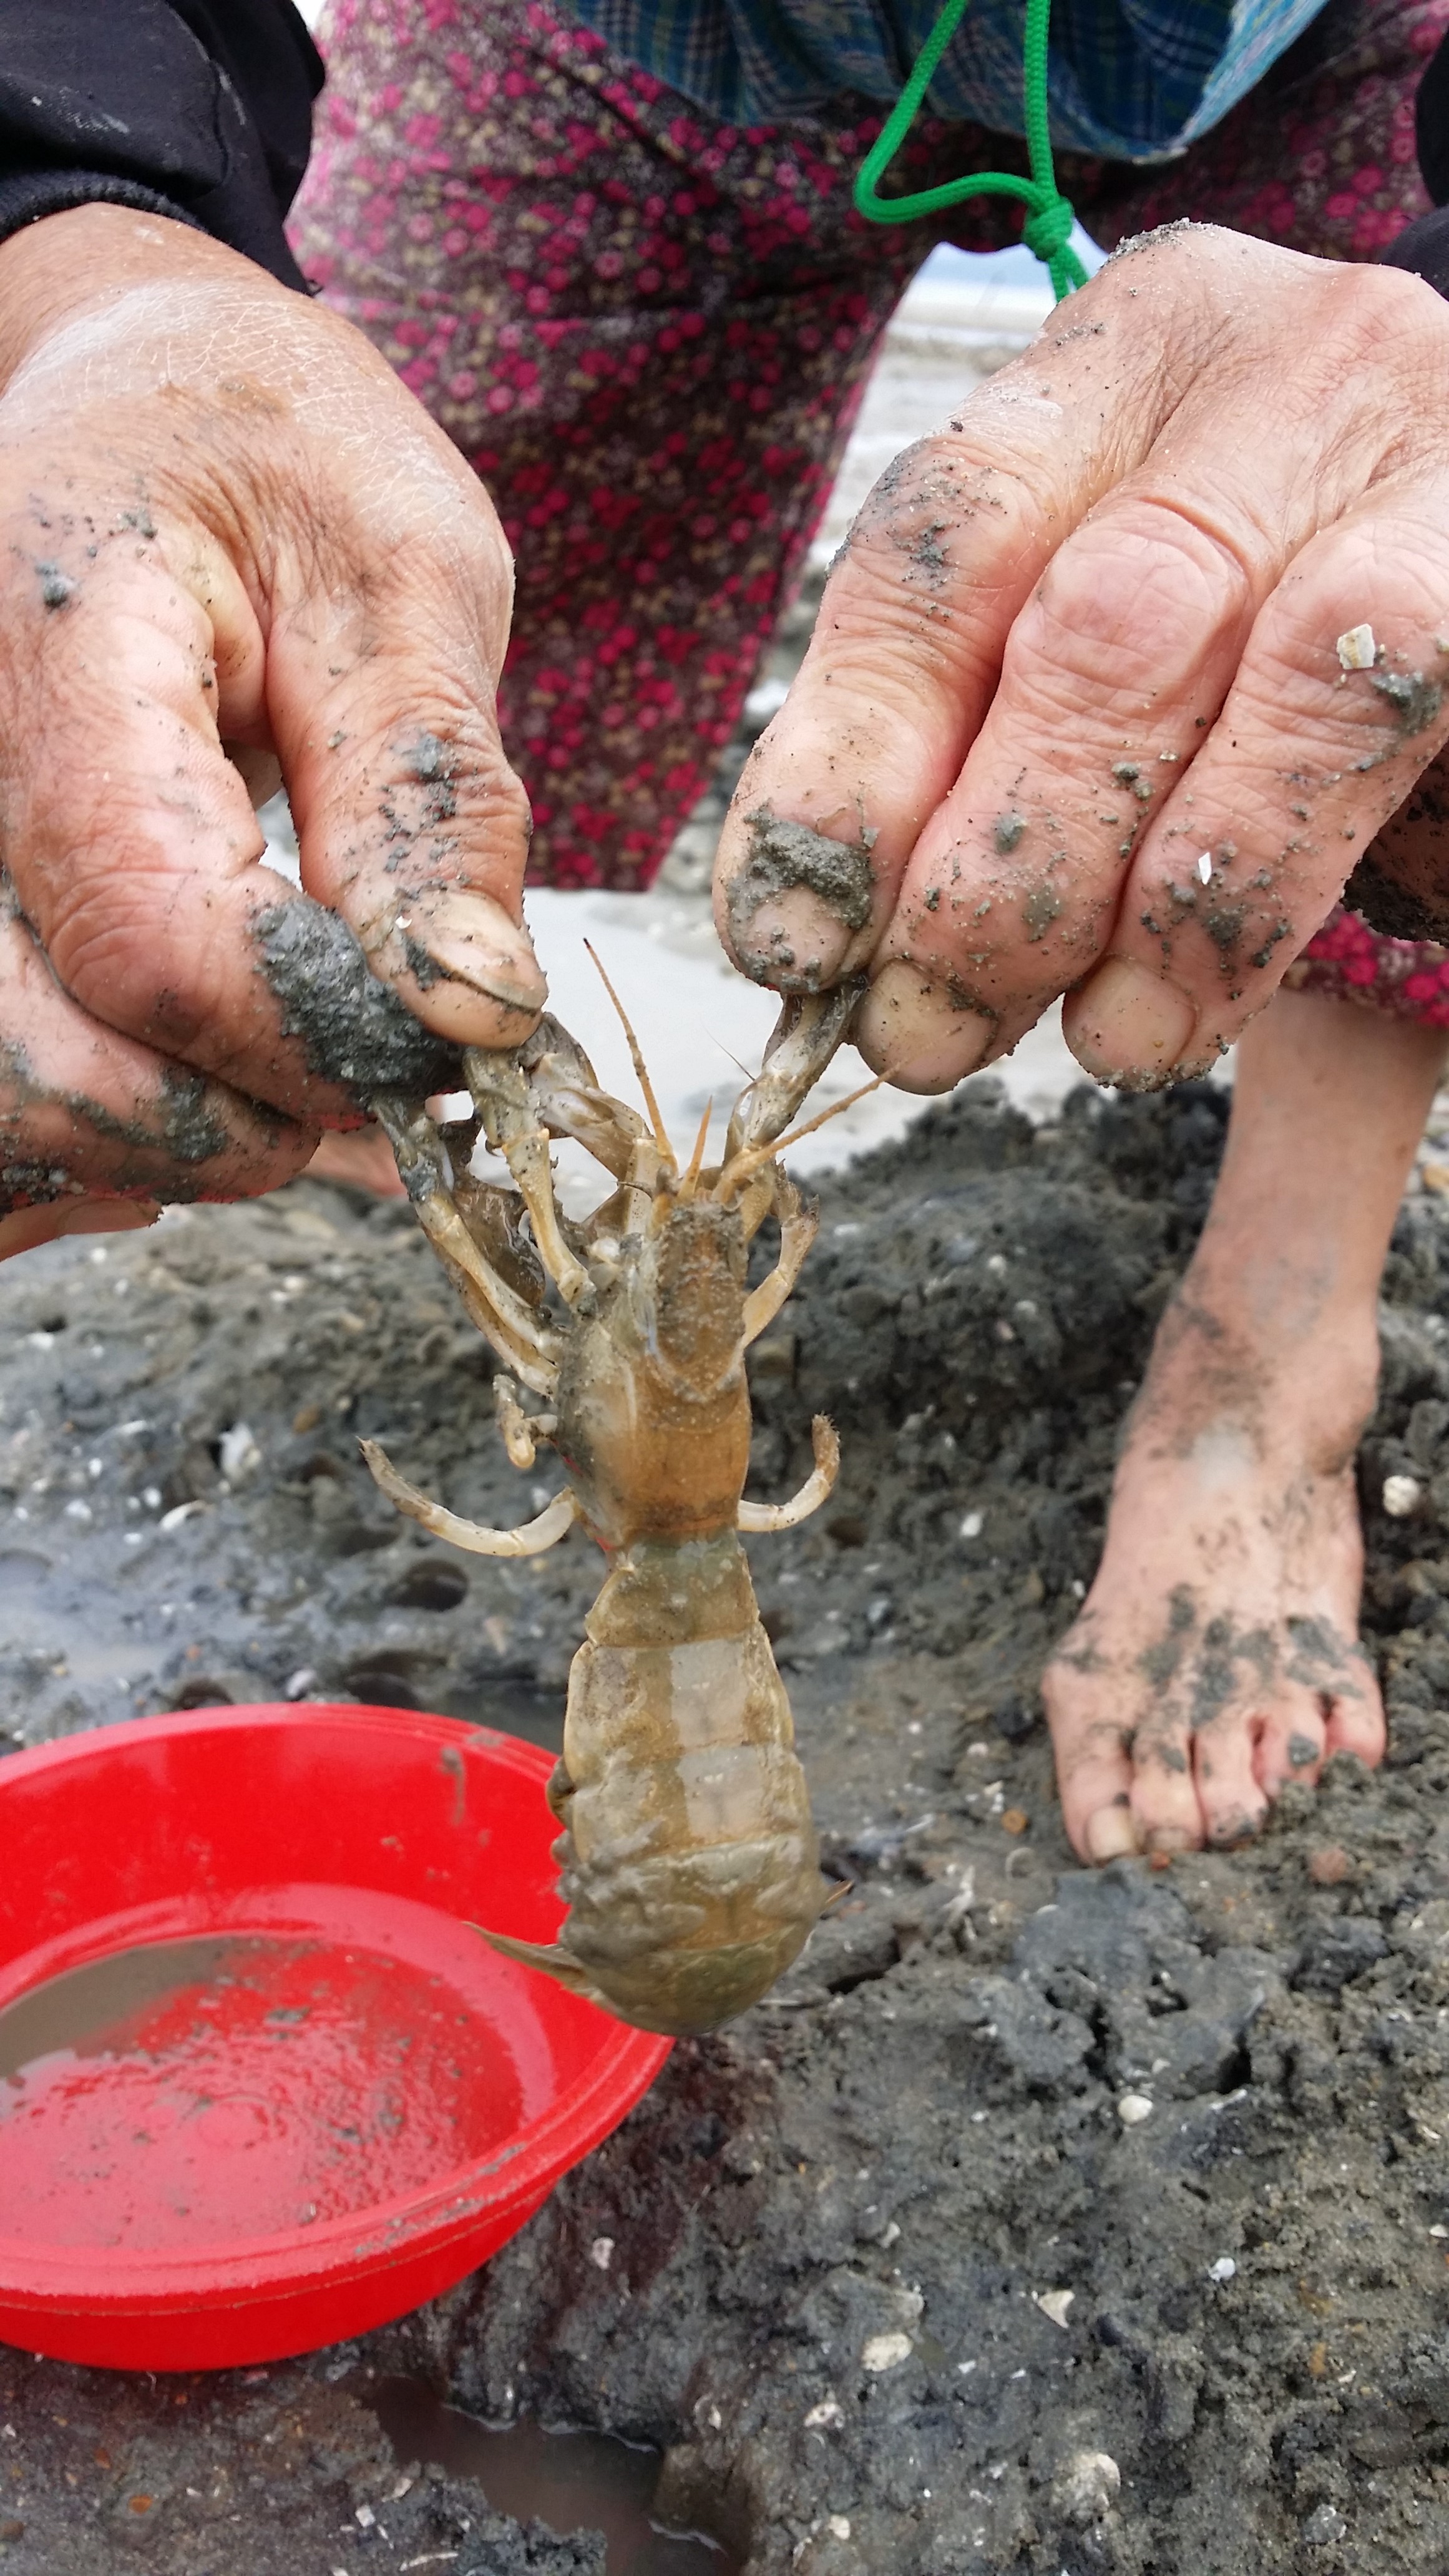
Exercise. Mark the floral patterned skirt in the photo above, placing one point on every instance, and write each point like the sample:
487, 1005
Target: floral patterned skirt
649, 333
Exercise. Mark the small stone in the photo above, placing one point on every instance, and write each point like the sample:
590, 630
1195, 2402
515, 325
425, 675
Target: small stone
1401, 1496
1224, 2269
601, 2252
1086, 2486
1133, 2109
1435, 1177
1015, 1820
1205, 868
972, 1525
239, 1456
364, 2517
886, 2352
1054, 2304
1329, 1865
838, 2526
1357, 650
826, 2417
1324, 2525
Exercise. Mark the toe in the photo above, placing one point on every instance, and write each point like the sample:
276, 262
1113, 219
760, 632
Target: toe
1356, 1720
1094, 1769
1225, 1770
1164, 1793
1291, 1743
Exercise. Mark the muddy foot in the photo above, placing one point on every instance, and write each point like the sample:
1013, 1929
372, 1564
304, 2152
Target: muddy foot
1216, 1655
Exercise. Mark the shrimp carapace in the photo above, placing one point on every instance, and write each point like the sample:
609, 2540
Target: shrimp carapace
689, 1861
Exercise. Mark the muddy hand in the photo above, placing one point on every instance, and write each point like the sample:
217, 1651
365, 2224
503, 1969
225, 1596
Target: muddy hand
229, 529
1119, 673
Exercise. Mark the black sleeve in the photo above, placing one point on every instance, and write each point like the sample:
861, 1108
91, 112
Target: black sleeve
197, 109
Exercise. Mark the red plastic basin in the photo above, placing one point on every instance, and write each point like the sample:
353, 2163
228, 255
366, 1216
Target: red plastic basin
328, 2099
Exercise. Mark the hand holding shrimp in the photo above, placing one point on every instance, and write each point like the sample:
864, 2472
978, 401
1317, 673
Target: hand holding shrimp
690, 1861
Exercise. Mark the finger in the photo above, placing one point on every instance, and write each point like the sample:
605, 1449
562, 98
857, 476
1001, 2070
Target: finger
1306, 762
908, 644
96, 1130
1111, 672
131, 838
31, 1226
382, 699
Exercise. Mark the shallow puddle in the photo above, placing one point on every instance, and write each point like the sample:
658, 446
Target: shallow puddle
570, 2481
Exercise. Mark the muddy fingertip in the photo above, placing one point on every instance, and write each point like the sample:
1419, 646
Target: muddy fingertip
792, 906
1128, 1026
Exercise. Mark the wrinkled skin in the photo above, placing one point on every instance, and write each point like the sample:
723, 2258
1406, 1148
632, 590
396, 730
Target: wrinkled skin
225, 523
1084, 638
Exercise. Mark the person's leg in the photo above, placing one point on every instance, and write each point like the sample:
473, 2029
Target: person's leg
1215, 1656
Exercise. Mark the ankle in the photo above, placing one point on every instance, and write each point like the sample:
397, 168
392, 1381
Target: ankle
1306, 1387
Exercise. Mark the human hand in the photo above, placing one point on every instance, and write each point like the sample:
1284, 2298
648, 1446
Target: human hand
223, 522
1074, 716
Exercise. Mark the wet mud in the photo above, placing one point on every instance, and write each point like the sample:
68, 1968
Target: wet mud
787, 859
353, 1028
897, 2273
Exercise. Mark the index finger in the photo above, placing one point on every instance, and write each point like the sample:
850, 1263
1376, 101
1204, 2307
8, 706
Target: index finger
908, 645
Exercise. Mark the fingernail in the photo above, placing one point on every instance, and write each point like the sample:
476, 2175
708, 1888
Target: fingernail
794, 941
915, 1032
470, 940
1127, 1025
1111, 1834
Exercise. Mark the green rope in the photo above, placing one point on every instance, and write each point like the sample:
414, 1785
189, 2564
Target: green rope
1049, 218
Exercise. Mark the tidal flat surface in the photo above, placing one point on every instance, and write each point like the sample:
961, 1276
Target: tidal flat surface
879, 2270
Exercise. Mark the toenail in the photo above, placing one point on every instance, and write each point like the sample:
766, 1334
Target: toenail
1302, 1751
1165, 1840
1111, 1834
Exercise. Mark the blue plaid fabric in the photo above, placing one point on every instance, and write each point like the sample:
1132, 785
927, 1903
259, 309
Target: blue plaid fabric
1137, 80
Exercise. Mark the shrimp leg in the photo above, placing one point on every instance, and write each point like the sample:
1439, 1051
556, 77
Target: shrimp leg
520, 1431
783, 1516
530, 1540
508, 1321
797, 1232
511, 1123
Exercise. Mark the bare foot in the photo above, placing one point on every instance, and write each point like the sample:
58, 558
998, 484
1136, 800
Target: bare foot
1216, 1655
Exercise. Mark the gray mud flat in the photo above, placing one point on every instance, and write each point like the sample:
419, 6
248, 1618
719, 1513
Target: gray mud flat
888, 2280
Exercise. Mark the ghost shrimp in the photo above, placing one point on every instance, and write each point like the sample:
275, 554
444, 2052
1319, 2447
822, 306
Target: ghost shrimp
689, 1860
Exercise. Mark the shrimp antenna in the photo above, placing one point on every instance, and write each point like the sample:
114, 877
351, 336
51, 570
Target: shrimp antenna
690, 1182
749, 1161
661, 1136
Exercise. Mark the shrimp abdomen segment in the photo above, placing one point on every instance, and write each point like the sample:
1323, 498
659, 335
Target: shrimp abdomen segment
690, 1861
